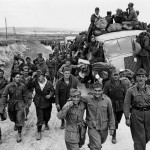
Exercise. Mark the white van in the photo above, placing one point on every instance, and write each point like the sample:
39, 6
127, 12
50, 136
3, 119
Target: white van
118, 48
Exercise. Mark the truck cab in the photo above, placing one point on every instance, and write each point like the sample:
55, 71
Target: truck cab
118, 48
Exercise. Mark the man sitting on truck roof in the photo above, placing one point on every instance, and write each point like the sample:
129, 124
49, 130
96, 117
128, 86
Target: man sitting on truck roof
132, 16
94, 18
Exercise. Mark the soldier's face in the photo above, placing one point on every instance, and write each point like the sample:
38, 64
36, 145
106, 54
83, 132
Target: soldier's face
1, 74
76, 99
67, 74
141, 79
97, 12
115, 76
17, 78
98, 92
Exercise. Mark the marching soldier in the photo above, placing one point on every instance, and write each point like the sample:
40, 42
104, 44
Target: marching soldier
99, 117
73, 112
44, 92
137, 110
3, 83
63, 87
16, 103
116, 91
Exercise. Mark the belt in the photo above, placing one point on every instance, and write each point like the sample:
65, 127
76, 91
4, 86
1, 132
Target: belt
142, 108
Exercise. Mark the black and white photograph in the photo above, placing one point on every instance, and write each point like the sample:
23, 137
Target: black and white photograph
74, 75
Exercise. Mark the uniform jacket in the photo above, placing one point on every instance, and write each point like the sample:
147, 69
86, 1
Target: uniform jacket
109, 19
62, 92
39, 98
74, 119
132, 15
50, 63
3, 84
17, 96
116, 94
136, 98
99, 113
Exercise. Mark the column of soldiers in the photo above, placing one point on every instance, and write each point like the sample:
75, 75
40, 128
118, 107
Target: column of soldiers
104, 107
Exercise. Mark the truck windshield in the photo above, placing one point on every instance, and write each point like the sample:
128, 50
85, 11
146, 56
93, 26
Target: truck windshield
118, 47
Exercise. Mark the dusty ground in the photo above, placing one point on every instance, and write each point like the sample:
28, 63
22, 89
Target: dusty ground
54, 138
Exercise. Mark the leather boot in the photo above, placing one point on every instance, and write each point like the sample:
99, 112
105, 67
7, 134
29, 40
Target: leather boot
46, 127
15, 128
114, 141
19, 138
39, 136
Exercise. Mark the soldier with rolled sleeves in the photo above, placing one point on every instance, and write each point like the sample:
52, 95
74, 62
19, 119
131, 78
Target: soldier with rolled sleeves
73, 112
99, 117
137, 110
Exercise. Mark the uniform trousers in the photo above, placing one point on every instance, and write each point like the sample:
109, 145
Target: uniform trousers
17, 116
43, 115
97, 138
140, 128
72, 146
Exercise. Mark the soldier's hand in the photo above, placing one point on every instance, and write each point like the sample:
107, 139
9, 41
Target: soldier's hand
34, 74
128, 122
68, 105
48, 96
58, 107
111, 132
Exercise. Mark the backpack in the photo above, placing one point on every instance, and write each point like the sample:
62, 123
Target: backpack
114, 27
101, 23
138, 44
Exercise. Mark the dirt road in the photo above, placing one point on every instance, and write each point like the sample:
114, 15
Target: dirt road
54, 138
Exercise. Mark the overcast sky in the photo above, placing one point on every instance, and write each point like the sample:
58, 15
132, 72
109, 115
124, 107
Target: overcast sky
71, 14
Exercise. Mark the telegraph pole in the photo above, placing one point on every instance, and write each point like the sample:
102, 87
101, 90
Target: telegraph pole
6, 27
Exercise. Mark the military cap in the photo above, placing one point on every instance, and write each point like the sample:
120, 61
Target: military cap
119, 10
74, 92
66, 69
141, 71
131, 4
97, 85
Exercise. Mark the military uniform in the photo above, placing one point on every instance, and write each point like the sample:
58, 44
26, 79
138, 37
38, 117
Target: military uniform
137, 102
116, 93
99, 118
29, 94
16, 102
51, 67
75, 126
3, 83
